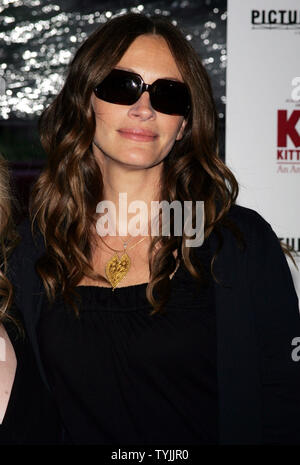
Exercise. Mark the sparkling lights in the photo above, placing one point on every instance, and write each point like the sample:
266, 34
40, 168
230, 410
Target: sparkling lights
38, 39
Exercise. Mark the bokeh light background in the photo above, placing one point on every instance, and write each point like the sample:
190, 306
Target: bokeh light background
39, 38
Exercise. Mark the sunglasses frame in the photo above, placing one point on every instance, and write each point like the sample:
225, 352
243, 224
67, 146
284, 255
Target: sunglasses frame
143, 87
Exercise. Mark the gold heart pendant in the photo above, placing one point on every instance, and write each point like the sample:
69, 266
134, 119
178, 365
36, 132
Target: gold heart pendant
117, 268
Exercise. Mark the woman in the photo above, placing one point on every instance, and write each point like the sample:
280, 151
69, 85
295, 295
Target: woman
165, 344
27, 413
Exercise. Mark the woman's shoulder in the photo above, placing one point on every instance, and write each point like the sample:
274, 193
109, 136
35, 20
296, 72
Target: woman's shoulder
247, 219
245, 232
252, 226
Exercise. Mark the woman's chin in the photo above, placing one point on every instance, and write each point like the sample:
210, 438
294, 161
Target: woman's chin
139, 161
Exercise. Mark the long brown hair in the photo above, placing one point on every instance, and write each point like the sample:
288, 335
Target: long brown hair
8, 240
64, 199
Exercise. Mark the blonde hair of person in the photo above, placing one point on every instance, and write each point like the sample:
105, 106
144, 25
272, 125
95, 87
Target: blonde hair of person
8, 240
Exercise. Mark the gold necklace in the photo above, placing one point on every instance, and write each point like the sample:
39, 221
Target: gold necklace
117, 268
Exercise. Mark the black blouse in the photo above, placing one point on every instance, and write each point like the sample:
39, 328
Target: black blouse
31, 416
257, 319
121, 376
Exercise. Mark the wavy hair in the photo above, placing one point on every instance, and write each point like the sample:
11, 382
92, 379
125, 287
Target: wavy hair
64, 199
8, 240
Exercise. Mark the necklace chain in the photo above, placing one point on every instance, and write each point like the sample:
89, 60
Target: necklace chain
125, 243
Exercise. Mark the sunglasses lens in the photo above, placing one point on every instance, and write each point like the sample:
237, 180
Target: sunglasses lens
170, 97
119, 87
124, 88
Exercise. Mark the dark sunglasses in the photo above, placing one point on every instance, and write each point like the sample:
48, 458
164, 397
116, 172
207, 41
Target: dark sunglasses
125, 88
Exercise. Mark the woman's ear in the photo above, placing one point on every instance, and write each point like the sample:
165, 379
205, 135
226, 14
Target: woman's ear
181, 130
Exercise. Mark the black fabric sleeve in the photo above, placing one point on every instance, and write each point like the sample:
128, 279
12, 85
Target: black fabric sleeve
21, 267
278, 324
26, 292
27, 285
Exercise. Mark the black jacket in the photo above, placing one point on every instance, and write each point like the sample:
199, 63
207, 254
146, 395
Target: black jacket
257, 321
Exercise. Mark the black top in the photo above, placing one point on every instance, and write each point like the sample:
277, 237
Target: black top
257, 320
121, 376
31, 416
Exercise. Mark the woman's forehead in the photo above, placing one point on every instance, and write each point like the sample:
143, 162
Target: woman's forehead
149, 55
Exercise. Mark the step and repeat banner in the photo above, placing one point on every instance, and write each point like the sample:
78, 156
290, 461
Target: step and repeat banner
263, 112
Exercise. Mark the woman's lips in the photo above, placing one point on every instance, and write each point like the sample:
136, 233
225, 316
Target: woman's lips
141, 135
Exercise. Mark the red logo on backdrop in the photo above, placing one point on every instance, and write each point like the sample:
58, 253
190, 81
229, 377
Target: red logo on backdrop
287, 127
288, 138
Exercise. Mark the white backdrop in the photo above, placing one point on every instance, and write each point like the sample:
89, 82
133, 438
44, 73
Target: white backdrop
263, 111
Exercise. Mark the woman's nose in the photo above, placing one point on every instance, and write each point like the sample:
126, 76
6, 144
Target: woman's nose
142, 108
